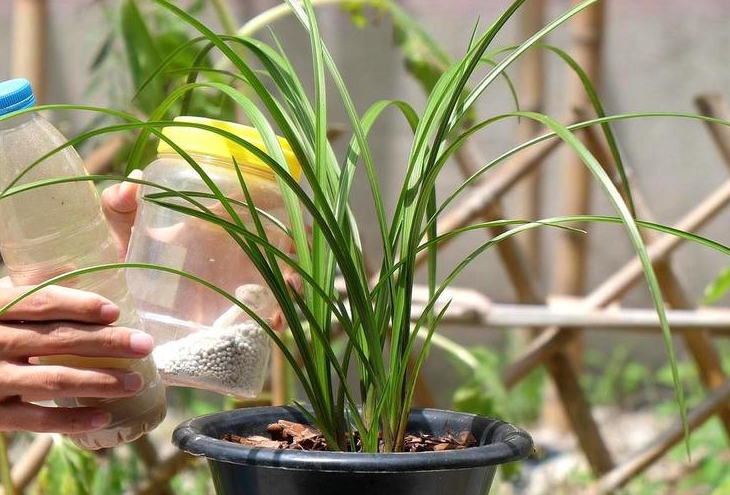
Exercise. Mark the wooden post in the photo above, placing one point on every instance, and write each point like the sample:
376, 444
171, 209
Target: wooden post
698, 340
25, 470
570, 250
280, 392
570, 255
532, 96
29, 44
620, 282
619, 476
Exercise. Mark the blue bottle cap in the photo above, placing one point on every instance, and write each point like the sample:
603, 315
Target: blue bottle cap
15, 94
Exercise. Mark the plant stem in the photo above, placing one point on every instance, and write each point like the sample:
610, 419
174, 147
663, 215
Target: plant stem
225, 16
453, 348
5, 467
280, 11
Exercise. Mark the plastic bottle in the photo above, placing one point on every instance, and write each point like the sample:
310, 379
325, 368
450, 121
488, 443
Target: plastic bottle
53, 229
203, 340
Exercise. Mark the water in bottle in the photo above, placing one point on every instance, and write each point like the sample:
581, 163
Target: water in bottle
53, 229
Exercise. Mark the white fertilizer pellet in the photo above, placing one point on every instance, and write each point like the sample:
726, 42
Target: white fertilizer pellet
228, 358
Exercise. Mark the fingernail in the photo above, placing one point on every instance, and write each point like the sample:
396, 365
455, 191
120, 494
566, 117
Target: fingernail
100, 419
132, 382
141, 343
109, 313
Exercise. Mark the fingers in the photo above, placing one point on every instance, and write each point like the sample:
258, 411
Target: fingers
17, 415
56, 382
18, 341
57, 303
293, 280
119, 203
278, 323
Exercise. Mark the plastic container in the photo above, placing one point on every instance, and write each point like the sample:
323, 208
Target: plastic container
54, 229
203, 339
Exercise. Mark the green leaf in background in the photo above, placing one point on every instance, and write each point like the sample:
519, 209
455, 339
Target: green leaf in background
143, 55
114, 474
717, 288
483, 391
68, 471
724, 487
147, 38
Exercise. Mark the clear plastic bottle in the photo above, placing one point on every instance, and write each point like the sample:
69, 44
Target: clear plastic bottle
203, 340
53, 229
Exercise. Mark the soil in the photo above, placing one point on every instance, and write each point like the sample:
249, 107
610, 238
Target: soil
297, 436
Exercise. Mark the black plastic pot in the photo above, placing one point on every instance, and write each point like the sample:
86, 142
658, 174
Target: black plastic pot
241, 470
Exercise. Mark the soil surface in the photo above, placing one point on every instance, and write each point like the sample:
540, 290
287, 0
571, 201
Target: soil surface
297, 436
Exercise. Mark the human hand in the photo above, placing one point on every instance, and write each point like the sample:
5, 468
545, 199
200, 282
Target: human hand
119, 203
57, 321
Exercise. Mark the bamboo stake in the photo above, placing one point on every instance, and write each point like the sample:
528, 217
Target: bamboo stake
512, 255
578, 412
468, 306
614, 287
536, 352
7, 479
25, 470
714, 105
698, 340
490, 189
279, 383
100, 160
619, 476
532, 96
148, 454
29, 44
483, 201
580, 417
622, 280
570, 251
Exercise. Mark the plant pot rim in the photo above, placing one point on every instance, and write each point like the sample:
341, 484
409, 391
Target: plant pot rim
500, 442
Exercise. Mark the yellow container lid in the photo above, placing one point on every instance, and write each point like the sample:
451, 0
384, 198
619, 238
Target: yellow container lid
199, 141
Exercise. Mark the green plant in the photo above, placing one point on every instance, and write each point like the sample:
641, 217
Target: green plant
616, 377
481, 390
377, 321
717, 288
138, 40
375, 311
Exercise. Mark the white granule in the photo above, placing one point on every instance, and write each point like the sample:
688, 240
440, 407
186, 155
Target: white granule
229, 358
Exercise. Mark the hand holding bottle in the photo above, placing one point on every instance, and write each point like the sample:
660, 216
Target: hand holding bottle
60, 320
51, 230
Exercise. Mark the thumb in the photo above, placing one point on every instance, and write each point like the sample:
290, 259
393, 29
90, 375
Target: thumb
119, 203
